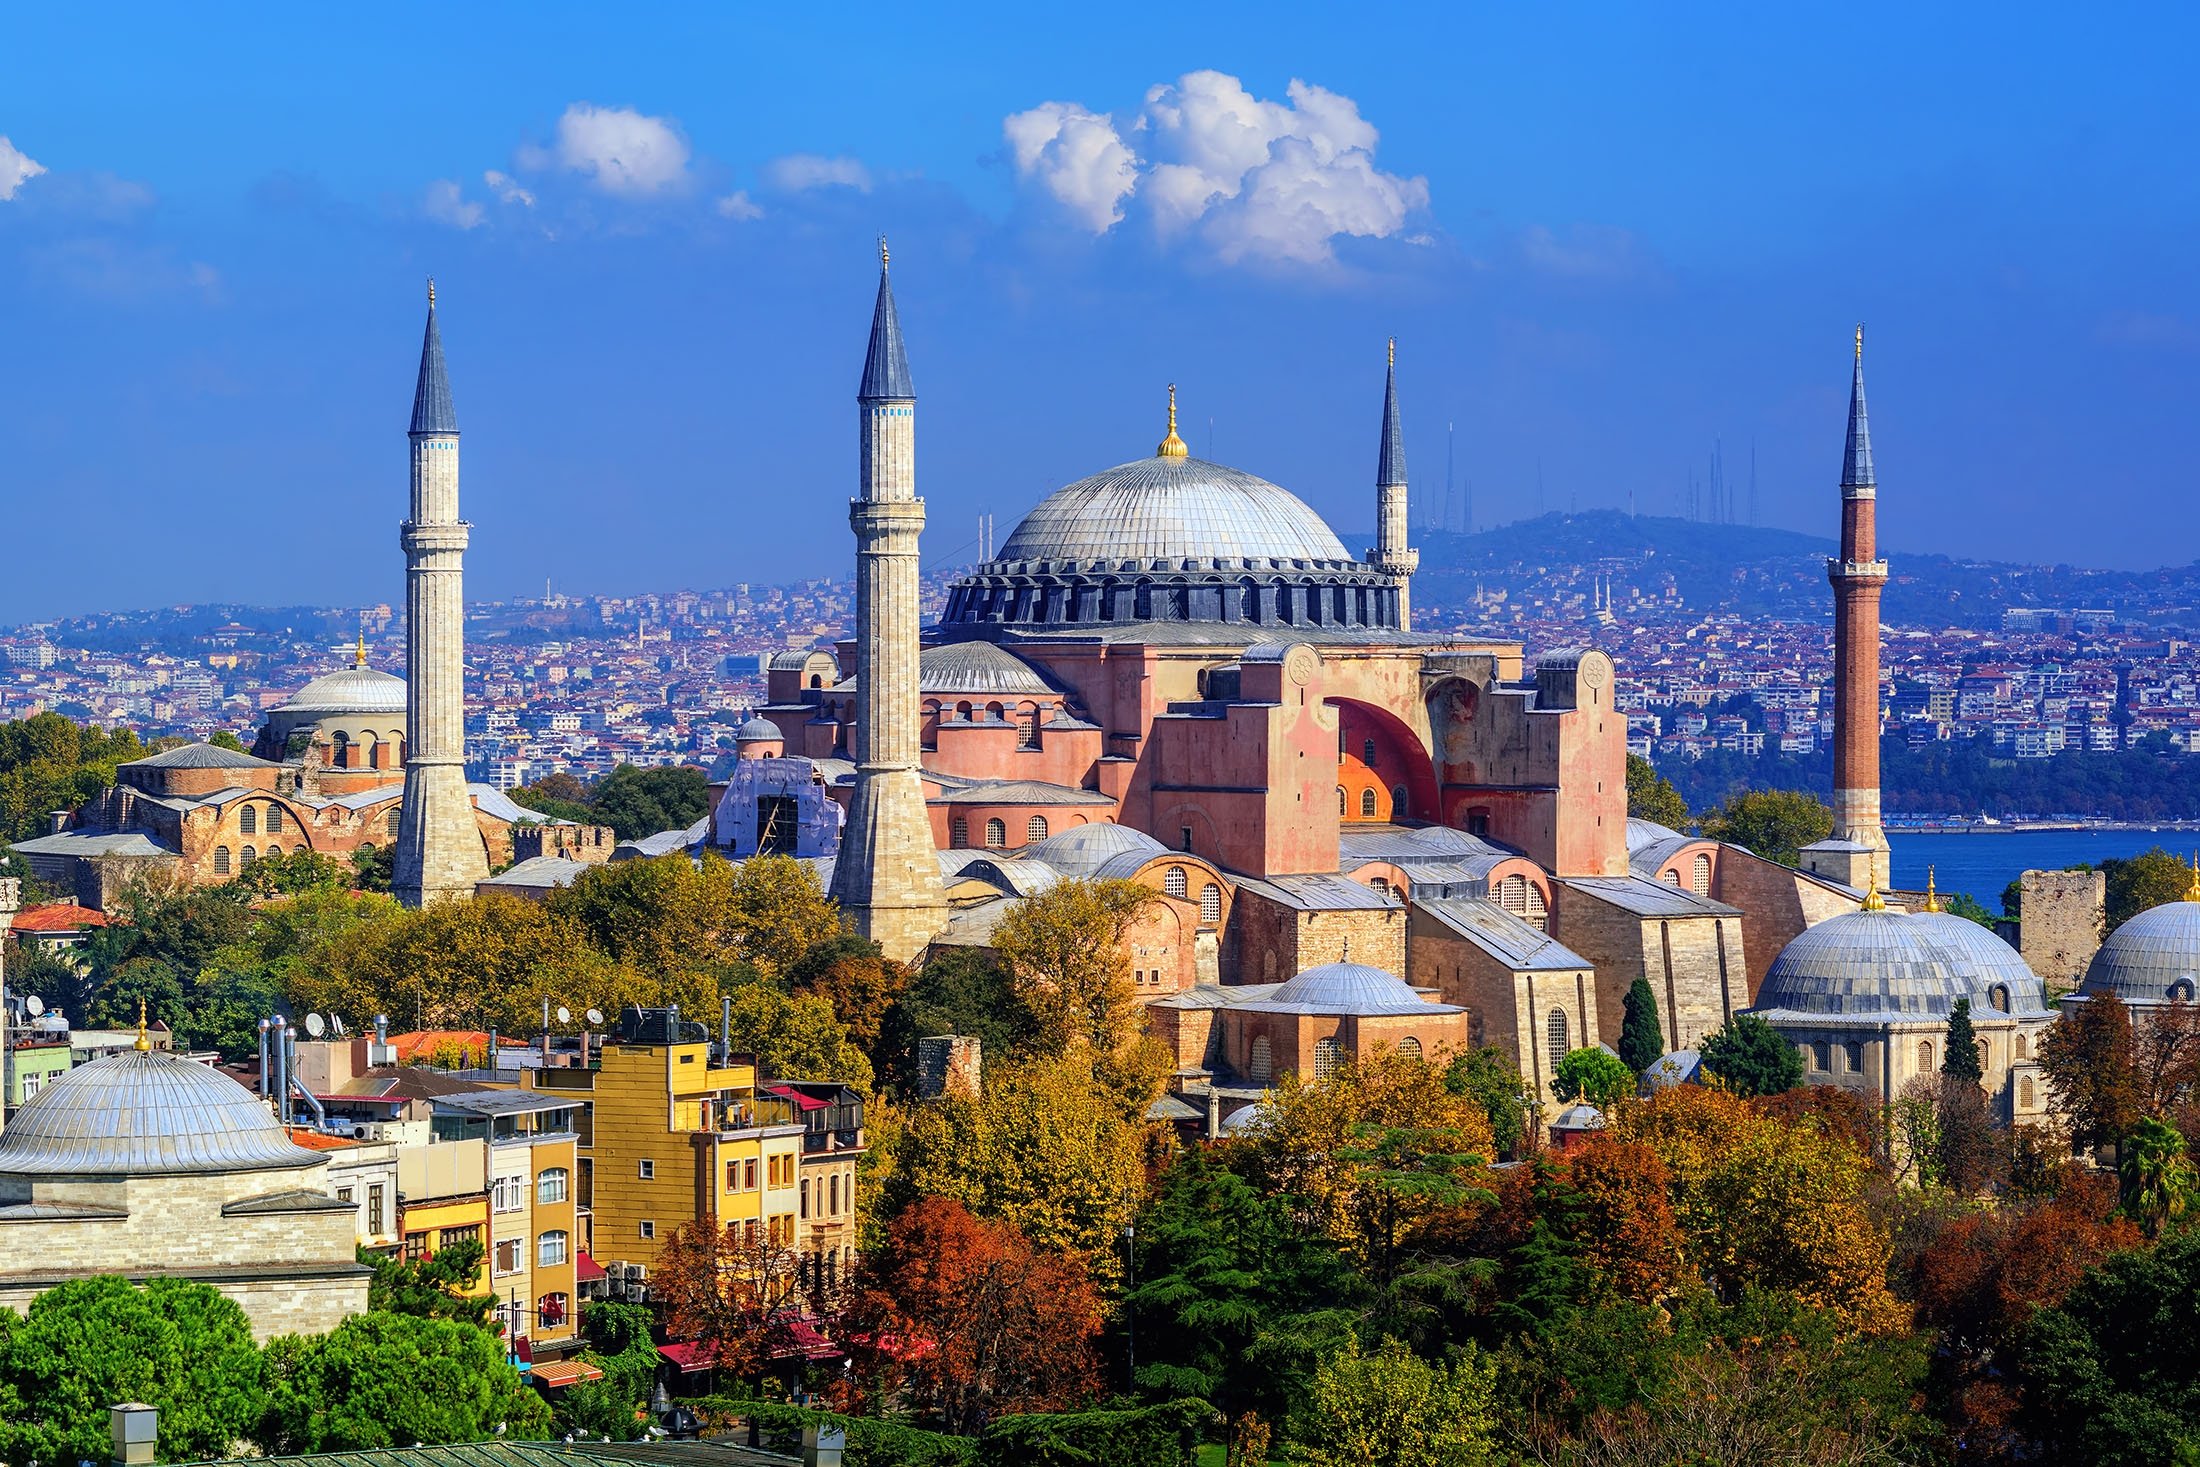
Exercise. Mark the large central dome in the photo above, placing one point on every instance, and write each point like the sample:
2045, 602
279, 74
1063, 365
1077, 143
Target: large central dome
1173, 509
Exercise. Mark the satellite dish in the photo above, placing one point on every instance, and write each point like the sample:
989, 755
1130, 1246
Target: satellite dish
595, 1016
34, 1006
316, 1025
336, 1022
565, 1015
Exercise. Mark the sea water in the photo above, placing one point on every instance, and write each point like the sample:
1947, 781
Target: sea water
1981, 863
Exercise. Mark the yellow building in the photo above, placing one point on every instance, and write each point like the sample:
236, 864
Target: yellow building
530, 1145
669, 1137
831, 1115
442, 1199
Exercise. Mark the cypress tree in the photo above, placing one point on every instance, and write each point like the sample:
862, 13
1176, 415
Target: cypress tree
1641, 1042
1961, 1061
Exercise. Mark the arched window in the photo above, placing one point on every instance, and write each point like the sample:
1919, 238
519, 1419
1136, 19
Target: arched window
274, 819
1367, 804
550, 1249
1998, 996
1367, 753
339, 748
1173, 881
1985, 1055
996, 713
1699, 875
1856, 1057
1326, 1054
273, 849
1512, 894
1035, 829
248, 820
1410, 1045
1210, 905
996, 835
245, 858
1559, 1034
221, 860
1924, 1056
1382, 884
2024, 1047
395, 812
962, 712
1342, 808
2181, 991
1259, 1067
2026, 1096
958, 833
1029, 718
1821, 1057
1399, 805
551, 1185
1672, 877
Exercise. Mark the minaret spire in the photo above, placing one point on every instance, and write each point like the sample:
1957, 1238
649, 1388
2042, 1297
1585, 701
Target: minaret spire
887, 874
1391, 555
1856, 458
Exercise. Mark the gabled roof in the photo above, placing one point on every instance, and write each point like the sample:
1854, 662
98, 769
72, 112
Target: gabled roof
1513, 941
1646, 898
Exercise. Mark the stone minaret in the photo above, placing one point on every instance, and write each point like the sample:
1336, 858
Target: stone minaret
439, 849
887, 876
1857, 854
1391, 555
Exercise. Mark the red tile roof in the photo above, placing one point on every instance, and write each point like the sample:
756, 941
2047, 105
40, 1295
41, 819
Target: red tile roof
57, 917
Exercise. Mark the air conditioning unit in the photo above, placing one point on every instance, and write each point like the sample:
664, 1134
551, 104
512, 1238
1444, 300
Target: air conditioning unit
636, 1272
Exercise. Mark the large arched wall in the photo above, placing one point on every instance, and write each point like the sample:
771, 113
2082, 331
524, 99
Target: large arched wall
1400, 762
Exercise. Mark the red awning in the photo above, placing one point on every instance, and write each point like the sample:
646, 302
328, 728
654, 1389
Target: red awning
801, 1101
689, 1356
587, 1270
803, 1339
564, 1372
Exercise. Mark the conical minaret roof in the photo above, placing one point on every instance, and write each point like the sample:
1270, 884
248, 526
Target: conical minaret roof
886, 364
1856, 460
1390, 461
432, 411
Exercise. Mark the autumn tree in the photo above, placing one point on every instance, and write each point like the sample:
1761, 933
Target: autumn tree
1490, 1076
2090, 1057
1750, 1057
861, 983
1651, 796
1624, 1218
1593, 1074
1065, 948
731, 1290
967, 1319
671, 915
1388, 1408
796, 1037
1641, 1041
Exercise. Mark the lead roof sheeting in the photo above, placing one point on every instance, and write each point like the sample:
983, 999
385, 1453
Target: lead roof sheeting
1317, 893
1894, 966
1646, 898
145, 1113
1519, 944
1172, 510
2142, 958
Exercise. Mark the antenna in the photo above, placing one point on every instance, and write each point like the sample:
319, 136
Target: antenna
1753, 480
565, 1015
316, 1026
594, 1016
1450, 432
336, 1022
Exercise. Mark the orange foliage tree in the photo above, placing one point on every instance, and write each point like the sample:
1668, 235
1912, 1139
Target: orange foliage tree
732, 1291
967, 1319
1630, 1239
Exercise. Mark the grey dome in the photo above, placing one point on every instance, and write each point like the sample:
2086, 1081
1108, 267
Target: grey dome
1246, 1118
1171, 508
1892, 967
2147, 956
1681, 1067
1083, 850
349, 690
145, 1113
757, 731
198, 756
1346, 988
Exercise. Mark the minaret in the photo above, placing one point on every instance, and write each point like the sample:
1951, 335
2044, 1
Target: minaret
887, 876
1857, 854
439, 850
1391, 556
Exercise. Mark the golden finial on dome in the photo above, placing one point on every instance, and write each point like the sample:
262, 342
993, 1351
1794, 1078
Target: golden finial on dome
1394, 351
144, 1040
1873, 901
883, 258
2192, 886
1860, 341
1172, 446
359, 657
1932, 897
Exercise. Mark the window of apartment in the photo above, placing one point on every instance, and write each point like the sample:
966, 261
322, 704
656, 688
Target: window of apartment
741, 1175
416, 1247
551, 1185
649, 1228
508, 1256
781, 1173
508, 1194
648, 1172
551, 1310
805, 1208
550, 1249
451, 1237
374, 1208
782, 1229
833, 1191
749, 1231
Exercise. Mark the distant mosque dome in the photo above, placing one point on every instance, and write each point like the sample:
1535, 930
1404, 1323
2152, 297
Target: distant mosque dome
2152, 959
757, 731
349, 690
144, 1113
1346, 988
1881, 966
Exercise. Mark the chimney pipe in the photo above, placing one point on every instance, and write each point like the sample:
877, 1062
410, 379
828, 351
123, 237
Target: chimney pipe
57, 821
282, 1069
725, 1029
290, 1078
263, 1059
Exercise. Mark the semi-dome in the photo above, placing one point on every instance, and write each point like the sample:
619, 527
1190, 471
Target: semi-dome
1347, 988
358, 689
145, 1113
2153, 958
1083, 850
1892, 967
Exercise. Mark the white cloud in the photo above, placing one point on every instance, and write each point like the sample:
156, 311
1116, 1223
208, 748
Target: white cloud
446, 203
738, 205
1277, 182
800, 172
16, 169
1076, 155
507, 189
623, 151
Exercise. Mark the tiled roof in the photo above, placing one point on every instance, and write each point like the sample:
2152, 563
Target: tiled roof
57, 917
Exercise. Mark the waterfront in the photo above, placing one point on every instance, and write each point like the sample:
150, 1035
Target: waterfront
1981, 863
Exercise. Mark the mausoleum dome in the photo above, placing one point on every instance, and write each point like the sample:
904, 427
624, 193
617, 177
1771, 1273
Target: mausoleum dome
2153, 958
145, 1113
1882, 966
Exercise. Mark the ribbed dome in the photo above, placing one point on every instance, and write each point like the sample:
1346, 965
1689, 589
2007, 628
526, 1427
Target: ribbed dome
349, 690
2149, 955
1893, 966
1347, 988
1172, 509
757, 731
145, 1113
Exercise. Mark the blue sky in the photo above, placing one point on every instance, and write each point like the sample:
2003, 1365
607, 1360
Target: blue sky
1606, 238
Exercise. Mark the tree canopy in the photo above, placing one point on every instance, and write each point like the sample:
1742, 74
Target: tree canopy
1651, 796
1776, 824
1751, 1057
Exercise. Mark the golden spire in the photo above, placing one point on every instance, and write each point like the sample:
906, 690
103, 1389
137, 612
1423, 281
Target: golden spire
1394, 351
1860, 341
1172, 446
359, 658
431, 292
883, 258
144, 1040
2192, 887
1873, 901
1932, 897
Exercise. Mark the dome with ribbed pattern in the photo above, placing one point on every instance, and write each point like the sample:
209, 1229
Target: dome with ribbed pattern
145, 1113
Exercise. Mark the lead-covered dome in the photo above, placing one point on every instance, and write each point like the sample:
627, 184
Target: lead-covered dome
1892, 967
1346, 988
1172, 509
144, 1113
358, 689
2153, 958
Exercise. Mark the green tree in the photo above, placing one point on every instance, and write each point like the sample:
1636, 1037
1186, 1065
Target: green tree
2157, 1177
1491, 1077
49, 763
796, 1038
636, 802
1641, 1040
440, 1286
294, 873
1388, 1408
1651, 796
1776, 824
222, 738
1960, 1060
1752, 1058
92, 1342
373, 867
1067, 950
2107, 1375
1969, 908
2152, 878
167, 936
960, 991
382, 1380
1593, 1074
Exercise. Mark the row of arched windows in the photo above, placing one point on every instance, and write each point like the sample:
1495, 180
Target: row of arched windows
996, 832
249, 818
224, 863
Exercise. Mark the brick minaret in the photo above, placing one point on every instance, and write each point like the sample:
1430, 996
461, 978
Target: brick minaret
1391, 555
439, 850
1857, 853
887, 876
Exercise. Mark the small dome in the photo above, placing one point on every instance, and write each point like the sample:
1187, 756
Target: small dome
349, 690
145, 1113
1681, 1067
1347, 988
757, 731
2152, 958
1082, 850
1244, 1118
1580, 1116
1893, 966
1172, 509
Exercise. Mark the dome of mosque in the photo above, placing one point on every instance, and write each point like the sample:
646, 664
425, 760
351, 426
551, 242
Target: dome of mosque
1082, 850
757, 731
2152, 958
1173, 509
144, 1113
1884, 967
358, 689
1346, 988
